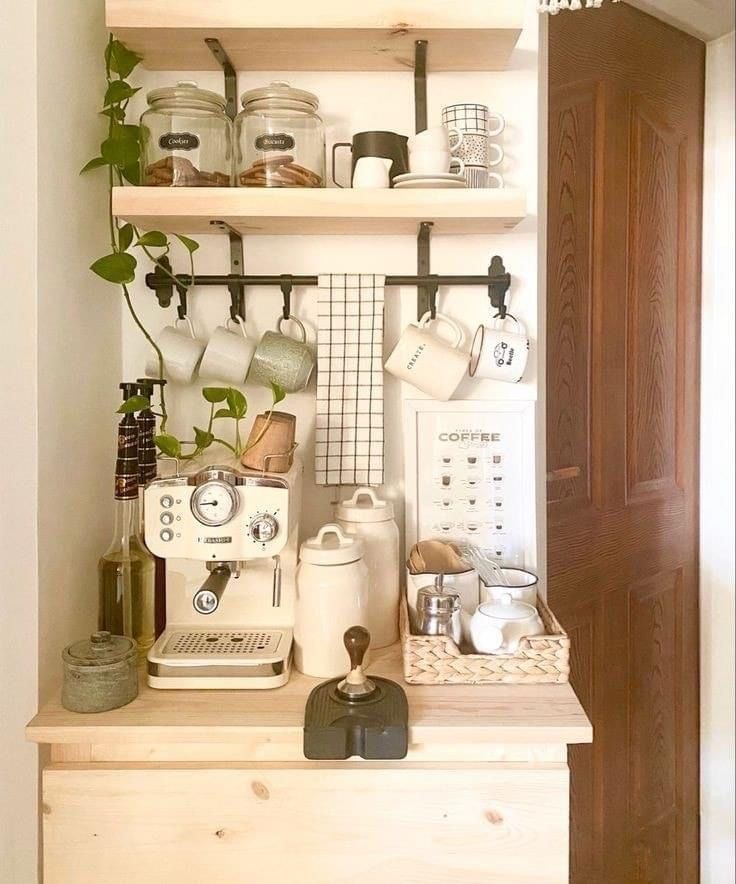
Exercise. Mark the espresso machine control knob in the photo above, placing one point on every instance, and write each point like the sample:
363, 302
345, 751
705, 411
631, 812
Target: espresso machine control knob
263, 528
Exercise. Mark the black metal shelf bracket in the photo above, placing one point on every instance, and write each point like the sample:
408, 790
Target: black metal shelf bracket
420, 85
426, 293
237, 259
231, 78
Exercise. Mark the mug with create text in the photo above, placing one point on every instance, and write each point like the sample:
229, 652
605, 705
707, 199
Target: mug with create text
428, 362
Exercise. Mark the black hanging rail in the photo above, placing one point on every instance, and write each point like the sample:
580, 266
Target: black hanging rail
497, 281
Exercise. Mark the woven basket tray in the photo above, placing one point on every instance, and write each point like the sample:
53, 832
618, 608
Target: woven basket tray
541, 659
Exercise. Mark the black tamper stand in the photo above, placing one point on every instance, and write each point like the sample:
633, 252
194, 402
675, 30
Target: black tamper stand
356, 715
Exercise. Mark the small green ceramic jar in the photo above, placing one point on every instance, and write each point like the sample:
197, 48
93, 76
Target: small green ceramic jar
99, 673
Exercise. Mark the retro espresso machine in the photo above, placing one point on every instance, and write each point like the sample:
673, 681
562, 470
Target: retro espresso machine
230, 541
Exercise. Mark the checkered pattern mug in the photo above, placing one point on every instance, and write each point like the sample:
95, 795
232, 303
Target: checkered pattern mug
474, 119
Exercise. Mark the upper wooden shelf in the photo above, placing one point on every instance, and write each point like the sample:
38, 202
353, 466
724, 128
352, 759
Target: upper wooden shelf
255, 210
325, 35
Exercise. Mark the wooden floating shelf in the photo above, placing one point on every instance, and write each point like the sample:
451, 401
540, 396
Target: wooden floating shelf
318, 211
332, 35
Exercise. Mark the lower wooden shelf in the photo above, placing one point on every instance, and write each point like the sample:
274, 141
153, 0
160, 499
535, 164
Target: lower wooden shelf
319, 210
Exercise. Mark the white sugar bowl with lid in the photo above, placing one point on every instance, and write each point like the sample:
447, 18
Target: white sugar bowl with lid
371, 519
331, 596
497, 627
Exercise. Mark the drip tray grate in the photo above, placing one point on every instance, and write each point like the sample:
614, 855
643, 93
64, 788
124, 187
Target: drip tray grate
230, 643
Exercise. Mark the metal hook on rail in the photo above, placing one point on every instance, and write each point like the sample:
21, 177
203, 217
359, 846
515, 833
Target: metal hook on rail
286, 285
181, 310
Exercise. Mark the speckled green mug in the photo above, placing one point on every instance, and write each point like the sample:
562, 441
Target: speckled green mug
282, 360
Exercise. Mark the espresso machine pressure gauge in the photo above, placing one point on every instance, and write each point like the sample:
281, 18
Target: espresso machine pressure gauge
214, 503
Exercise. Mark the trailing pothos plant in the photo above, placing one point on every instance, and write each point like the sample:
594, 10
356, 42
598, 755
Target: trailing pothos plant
120, 156
233, 405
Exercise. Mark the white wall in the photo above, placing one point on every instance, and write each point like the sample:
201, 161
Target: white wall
78, 330
60, 364
18, 451
717, 572
352, 102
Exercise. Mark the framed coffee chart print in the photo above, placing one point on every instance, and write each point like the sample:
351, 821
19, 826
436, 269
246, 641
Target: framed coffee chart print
470, 476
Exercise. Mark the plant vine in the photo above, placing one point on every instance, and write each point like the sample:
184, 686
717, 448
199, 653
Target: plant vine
120, 155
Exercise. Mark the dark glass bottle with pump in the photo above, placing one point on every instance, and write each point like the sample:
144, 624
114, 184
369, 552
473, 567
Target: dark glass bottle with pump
147, 471
126, 571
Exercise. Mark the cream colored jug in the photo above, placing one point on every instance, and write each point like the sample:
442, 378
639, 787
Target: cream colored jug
371, 519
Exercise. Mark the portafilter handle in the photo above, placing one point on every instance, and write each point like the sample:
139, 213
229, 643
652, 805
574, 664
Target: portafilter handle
355, 685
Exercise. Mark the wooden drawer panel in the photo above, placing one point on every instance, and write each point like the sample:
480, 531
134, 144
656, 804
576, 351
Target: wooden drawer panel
307, 824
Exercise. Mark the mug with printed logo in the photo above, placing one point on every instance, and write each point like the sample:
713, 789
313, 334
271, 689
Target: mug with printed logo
499, 354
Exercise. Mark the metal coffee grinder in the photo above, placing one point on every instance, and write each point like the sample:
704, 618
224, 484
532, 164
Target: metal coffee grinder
230, 539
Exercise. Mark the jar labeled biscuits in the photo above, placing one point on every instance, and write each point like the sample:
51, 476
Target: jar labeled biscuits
186, 138
280, 138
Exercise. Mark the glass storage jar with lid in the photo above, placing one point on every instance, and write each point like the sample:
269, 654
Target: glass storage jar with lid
280, 138
186, 138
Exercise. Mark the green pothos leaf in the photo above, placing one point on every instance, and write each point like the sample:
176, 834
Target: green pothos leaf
125, 237
133, 404
168, 445
118, 91
190, 245
202, 438
223, 412
237, 403
119, 267
279, 393
93, 164
120, 59
132, 174
121, 149
153, 239
214, 394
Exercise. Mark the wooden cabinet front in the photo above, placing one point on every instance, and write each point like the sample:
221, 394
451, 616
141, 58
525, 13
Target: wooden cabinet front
311, 823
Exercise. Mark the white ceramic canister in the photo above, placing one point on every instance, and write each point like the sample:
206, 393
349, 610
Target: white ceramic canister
372, 520
331, 596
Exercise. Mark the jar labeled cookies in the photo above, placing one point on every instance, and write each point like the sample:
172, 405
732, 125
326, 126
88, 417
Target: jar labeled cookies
186, 138
280, 138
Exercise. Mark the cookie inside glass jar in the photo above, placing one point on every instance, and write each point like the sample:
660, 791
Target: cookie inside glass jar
280, 138
186, 138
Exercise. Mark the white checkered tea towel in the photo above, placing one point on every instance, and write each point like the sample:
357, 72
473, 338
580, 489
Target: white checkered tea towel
349, 422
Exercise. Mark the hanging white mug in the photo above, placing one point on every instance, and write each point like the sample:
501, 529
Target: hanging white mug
228, 354
181, 352
426, 361
499, 354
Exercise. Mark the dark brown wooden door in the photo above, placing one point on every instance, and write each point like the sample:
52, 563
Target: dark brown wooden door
625, 145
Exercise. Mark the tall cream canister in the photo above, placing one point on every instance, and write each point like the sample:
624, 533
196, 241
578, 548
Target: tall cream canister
331, 596
372, 520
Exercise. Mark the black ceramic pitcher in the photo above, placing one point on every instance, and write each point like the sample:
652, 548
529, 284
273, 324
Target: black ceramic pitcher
376, 144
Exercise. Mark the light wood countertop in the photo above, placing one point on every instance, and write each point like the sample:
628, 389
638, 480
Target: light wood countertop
530, 714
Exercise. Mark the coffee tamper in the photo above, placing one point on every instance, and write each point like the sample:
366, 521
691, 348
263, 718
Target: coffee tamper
356, 685
356, 715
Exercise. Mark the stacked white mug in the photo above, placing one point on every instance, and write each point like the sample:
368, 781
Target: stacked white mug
476, 125
430, 152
